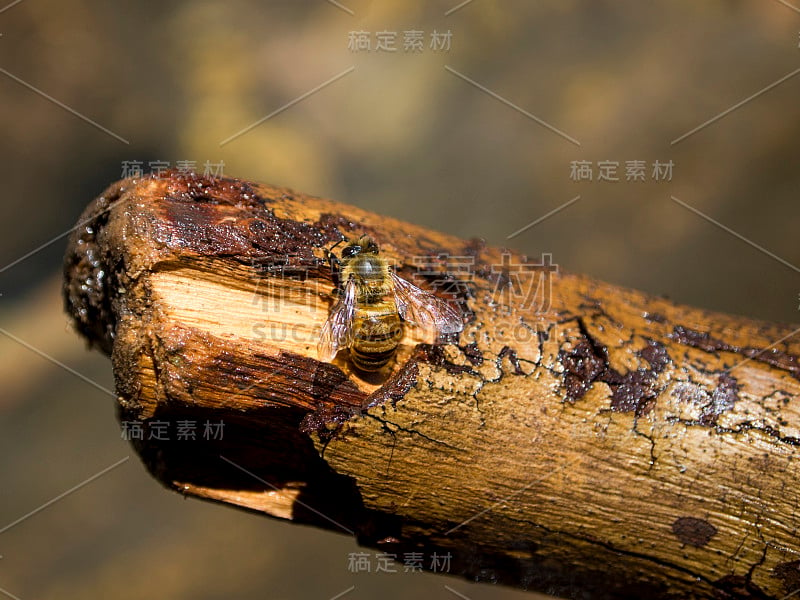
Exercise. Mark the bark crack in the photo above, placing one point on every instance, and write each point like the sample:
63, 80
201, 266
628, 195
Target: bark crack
386, 423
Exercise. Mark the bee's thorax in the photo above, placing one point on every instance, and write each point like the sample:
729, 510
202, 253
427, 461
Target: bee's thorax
371, 276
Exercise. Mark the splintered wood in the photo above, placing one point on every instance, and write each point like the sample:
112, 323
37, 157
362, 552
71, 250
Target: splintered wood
577, 438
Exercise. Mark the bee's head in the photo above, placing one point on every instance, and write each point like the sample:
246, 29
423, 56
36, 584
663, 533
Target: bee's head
360, 245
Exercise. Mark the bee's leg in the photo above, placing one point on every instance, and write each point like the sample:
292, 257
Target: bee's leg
335, 265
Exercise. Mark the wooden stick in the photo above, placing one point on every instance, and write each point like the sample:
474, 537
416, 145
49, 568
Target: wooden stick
577, 438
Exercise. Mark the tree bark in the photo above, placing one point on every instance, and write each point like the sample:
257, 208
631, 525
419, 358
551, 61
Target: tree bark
576, 438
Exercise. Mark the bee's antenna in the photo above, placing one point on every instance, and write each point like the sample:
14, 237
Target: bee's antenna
339, 242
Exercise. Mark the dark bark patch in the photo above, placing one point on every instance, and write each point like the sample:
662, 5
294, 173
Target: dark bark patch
339, 222
693, 532
723, 399
194, 187
473, 354
326, 421
511, 354
655, 317
397, 386
89, 273
770, 356
656, 354
215, 216
474, 247
582, 367
789, 574
434, 355
738, 587
633, 392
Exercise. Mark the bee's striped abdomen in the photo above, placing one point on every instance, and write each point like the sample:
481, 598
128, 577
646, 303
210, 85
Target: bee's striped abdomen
377, 334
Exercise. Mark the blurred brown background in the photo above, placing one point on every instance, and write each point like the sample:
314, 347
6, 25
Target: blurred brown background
401, 135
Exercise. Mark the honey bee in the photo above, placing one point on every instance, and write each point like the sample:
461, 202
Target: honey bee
373, 304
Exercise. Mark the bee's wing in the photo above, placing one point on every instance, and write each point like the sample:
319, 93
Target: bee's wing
337, 332
428, 312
